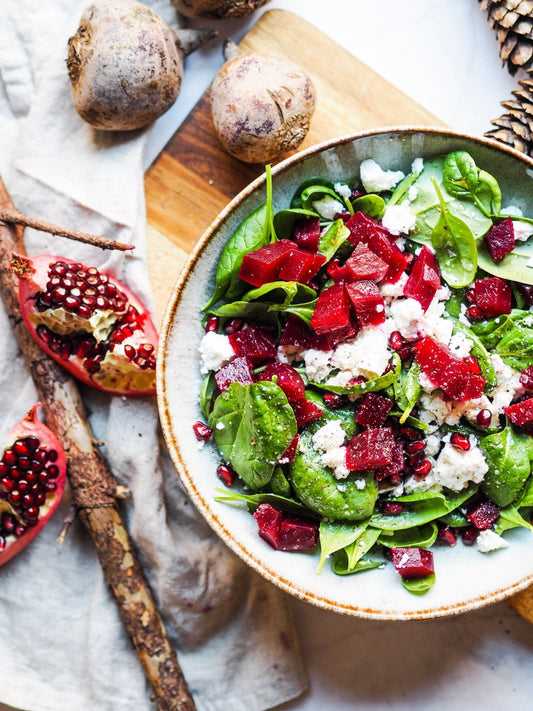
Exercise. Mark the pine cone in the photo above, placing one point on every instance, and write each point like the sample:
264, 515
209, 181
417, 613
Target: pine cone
515, 127
513, 22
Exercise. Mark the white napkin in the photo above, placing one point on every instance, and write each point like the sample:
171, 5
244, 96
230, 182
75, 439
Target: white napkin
62, 644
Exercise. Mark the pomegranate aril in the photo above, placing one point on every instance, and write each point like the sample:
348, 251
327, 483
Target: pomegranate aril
422, 469
415, 446
474, 313
484, 418
526, 378
9, 458
226, 474
460, 441
53, 471
202, 431
333, 401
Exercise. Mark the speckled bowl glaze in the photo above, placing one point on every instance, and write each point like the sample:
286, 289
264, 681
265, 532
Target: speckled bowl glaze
466, 578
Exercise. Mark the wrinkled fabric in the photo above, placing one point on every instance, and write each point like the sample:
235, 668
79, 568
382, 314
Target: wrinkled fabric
62, 644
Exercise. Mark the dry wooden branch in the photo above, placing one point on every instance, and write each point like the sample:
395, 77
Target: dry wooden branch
93, 489
11, 215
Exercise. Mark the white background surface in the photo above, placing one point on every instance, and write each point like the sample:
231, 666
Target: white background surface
444, 55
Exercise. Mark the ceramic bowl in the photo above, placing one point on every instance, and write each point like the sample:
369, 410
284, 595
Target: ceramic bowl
466, 578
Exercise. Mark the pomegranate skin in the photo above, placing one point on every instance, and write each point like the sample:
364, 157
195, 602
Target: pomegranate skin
31, 429
112, 348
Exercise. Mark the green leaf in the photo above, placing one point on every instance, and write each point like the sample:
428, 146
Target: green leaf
419, 509
284, 221
481, 353
206, 393
510, 518
252, 427
370, 386
340, 564
283, 503
460, 175
509, 468
334, 536
516, 347
372, 205
515, 266
416, 537
251, 234
362, 545
336, 235
407, 389
419, 586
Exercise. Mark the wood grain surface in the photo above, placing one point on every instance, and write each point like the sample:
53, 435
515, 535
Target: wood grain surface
193, 179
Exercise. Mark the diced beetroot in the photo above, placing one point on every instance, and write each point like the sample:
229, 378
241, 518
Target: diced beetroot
424, 279
396, 466
262, 265
370, 449
268, 522
493, 296
367, 302
500, 239
238, 370
301, 266
520, 413
286, 377
306, 233
332, 310
526, 378
327, 341
285, 532
288, 454
296, 333
305, 412
297, 534
253, 343
363, 263
364, 229
339, 272
446, 371
373, 410
413, 562
483, 515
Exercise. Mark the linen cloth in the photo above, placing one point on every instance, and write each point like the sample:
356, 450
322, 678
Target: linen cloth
62, 644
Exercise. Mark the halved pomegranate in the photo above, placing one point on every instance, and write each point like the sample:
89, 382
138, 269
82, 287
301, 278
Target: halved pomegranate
32, 479
89, 322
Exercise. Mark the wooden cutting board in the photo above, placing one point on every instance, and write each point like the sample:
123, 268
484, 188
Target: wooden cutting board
192, 179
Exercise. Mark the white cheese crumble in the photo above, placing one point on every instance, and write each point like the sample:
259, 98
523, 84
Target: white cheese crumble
460, 345
317, 367
417, 166
329, 440
398, 219
411, 321
343, 190
367, 355
375, 179
522, 230
508, 384
488, 541
456, 468
215, 351
328, 207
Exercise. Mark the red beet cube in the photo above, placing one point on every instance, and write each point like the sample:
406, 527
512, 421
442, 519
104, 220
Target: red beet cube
268, 522
424, 279
396, 466
301, 266
306, 233
297, 534
367, 302
238, 370
413, 562
446, 371
483, 515
493, 296
254, 344
286, 377
339, 272
363, 263
370, 449
262, 265
332, 310
364, 229
288, 454
500, 239
296, 333
327, 341
520, 413
373, 410
305, 412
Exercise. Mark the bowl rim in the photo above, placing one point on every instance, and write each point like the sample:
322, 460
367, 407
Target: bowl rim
197, 498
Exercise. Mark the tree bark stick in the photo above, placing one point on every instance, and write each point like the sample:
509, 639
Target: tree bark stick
93, 489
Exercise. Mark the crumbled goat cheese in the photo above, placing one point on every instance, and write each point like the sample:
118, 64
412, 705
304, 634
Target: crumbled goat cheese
215, 351
433, 407
317, 366
398, 219
417, 166
508, 384
522, 230
456, 468
367, 355
335, 459
375, 179
433, 445
360, 484
412, 485
460, 345
391, 291
343, 190
330, 436
328, 207
488, 541
412, 193
411, 321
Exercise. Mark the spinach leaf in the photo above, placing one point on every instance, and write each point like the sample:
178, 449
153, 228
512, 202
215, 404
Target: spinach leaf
317, 181
510, 518
491, 331
282, 503
419, 586
370, 386
206, 393
455, 247
372, 205
356, 550
462, 179
407, 389
509, 468
284, 221
252, 426
515, 266
334, 535
341, 566
336, 235
251, 234
313, 193
417, 536
516, 347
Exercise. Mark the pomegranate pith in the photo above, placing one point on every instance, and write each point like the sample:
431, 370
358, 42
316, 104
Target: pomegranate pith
32, 480
88, 322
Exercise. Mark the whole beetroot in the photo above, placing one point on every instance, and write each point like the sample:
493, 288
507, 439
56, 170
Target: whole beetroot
261, 105
125, 64
226, 9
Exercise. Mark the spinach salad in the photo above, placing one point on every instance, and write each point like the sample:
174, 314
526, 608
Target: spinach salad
368, 367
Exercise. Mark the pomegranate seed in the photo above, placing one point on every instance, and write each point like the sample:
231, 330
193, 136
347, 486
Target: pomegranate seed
470, 296
129, 351
333, 401
2, 543
211, 324
6, 484
460, 441
9, 458
396, 341
410, 433
469, 535
226, 473
202, 431
422, 469
234, 325
416, 446
447, 536
51, 455
484, 418
474, 313
526, 378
